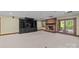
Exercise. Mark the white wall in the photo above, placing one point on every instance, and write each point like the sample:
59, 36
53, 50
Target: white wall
39, 25
77, 25
9, 24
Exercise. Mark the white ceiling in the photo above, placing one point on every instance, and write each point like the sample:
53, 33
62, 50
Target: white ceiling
38, 14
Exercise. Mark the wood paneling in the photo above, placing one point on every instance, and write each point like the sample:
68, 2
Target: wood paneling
53, 20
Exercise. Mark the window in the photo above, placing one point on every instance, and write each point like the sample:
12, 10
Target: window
67, 26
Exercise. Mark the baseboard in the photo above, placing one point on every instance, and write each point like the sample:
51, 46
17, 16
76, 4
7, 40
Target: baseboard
9, 33
77, 35
39, 30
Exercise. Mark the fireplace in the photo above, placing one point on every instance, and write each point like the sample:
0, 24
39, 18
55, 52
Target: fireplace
50, 28
51, 25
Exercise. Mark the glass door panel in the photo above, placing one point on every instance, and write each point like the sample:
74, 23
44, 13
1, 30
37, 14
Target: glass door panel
61, 26
67, 26
70, 26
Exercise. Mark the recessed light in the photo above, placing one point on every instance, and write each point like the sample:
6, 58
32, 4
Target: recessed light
68, 11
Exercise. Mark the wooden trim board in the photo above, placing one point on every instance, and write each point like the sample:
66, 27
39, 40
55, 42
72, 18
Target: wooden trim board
9, 33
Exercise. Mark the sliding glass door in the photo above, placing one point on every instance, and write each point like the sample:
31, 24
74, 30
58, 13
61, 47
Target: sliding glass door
67, 26
61, 26
70, 26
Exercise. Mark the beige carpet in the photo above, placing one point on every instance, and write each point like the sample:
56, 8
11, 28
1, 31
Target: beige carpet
39, 39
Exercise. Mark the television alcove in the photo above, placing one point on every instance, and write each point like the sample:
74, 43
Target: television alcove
27, 25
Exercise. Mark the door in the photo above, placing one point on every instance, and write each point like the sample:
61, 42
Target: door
67, 26
70, 26
61, 26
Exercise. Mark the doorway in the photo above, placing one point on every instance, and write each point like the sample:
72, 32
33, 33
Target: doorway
67, 26
61, 26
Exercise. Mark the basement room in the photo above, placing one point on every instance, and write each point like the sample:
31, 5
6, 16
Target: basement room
39, 29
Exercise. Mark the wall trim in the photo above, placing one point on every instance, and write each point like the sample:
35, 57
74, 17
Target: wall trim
77, 35
9, 33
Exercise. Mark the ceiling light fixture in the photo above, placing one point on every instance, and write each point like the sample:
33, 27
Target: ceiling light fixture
68, 11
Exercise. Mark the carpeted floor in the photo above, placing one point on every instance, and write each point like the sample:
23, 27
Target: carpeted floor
39, 39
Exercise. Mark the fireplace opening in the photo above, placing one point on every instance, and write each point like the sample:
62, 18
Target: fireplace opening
50, 27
